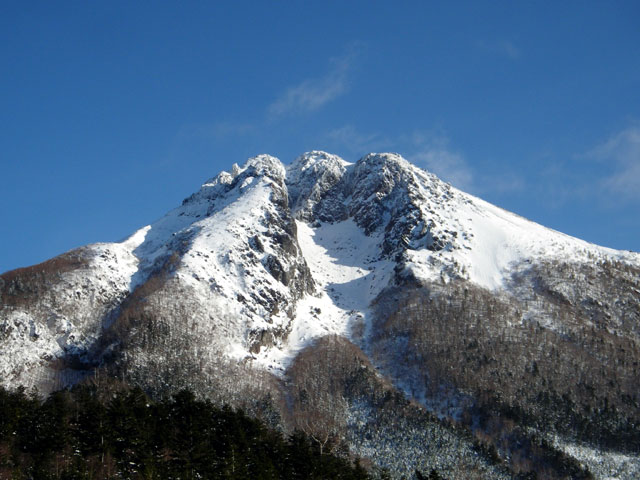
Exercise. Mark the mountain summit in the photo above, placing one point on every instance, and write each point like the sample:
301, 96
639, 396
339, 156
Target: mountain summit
261, 264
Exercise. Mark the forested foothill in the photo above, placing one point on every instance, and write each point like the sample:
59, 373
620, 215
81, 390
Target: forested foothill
557, 360
87, 433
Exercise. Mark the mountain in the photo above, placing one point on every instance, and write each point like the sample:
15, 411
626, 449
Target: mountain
369, 304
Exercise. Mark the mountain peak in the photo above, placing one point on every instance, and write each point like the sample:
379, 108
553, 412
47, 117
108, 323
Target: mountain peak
385, 159
315, 157
267, 165
246, 277
310, 177
263, 239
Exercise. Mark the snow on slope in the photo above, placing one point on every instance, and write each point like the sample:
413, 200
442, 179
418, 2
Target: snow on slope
486, 243
66, 318
496, 242
235, 248
348, 272
228, 236
448, 233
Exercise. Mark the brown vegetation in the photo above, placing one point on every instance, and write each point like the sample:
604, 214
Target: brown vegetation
22, 286
554, 360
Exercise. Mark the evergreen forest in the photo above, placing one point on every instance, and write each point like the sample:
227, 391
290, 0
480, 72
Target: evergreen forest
86, 434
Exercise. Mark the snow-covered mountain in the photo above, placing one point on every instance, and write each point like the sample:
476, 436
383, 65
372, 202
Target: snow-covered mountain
264, 261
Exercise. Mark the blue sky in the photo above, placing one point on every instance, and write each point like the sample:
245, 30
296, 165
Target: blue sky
112, 112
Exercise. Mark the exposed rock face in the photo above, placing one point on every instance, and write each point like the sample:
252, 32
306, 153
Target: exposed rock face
390, 194
381, 192
240, 256
317, 187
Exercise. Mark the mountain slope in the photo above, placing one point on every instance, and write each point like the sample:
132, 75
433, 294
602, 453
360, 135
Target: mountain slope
474, 312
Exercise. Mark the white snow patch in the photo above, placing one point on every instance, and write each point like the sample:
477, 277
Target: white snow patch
492, 241
348, 273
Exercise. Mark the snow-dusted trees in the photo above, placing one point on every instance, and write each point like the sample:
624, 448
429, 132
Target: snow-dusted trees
561, 355
336, 394
165, 340
318, 382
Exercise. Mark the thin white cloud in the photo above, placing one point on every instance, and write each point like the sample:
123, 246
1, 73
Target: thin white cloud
434, 153
509, 49
313, 93
356, 142
622, 152
431, 151
507, 183
503, 48
449, 166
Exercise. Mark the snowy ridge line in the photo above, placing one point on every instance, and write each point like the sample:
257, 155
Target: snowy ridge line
495, 238
293, 253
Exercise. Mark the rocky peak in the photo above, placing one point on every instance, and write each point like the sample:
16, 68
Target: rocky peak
265, 165
390, 165
382, 192
260, 166
310, 177
380, 187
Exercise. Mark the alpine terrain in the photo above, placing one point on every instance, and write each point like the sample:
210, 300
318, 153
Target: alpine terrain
371, 305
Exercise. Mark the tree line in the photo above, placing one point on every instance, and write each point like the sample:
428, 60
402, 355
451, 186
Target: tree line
86, 434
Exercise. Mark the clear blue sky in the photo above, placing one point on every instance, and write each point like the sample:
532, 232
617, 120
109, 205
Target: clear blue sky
112, 112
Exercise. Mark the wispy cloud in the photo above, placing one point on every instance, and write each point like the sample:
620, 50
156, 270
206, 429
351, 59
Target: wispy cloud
358, 143
507, 182
503, 48
622, 152
509, 49
314, 93
557, 183
604, 176
432, 151
449, 166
